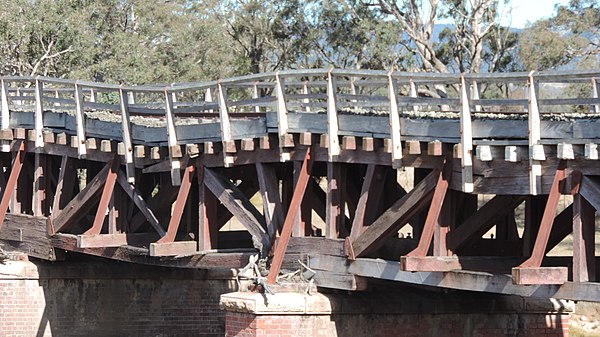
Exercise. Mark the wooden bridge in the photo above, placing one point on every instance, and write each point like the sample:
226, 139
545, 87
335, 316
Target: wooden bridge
308, 163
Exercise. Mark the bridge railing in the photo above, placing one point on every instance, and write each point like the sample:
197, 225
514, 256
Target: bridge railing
318, 91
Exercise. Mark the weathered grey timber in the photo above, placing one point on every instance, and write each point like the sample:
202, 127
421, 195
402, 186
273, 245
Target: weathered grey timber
312, 143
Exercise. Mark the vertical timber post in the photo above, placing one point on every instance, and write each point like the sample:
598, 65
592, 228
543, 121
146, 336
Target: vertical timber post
535, 167
332, 119
126, 131
466, 138
584, 269
394, 123
174, 148
80, 121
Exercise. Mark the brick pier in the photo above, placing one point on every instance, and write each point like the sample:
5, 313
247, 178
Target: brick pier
105, 298
407, 313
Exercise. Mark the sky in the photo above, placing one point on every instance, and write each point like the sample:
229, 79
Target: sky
524, 11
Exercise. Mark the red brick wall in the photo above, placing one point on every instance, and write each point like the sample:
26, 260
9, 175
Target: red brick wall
21, 307
105, 299
155, 304
401, 325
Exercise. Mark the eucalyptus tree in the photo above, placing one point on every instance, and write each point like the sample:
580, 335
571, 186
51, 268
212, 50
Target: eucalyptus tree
265, 35
570, 37
461, 48
348, 34
37, 37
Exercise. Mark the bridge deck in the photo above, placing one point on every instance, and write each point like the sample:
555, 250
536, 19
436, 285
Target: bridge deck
154, 174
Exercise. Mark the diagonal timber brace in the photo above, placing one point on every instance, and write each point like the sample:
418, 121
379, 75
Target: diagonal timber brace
107, 193
137, 199
82, 202
286, 232
184, 190
240, 206
358, 223
437, 201
482, 221
531, 271
207, 214
269, 190
248, 187
539, 249
11, 184
394, 218
161, 202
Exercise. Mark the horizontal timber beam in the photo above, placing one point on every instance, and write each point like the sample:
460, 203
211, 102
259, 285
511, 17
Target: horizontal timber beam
460, 280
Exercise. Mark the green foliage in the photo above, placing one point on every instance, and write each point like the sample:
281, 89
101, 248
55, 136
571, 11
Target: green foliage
118, 41
165, 41
349, 34
571, 37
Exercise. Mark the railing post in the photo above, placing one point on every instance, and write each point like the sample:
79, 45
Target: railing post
596, 94
92, 95
475, 94
535, 168
394, 122
126, 129
332, 120
255, 96
306, 91
5, 118
80, 120
57, 96
39, 113
412, 92
208, 98
353, 89
282, 120
174, 148
224, 122
130, 98
466, 138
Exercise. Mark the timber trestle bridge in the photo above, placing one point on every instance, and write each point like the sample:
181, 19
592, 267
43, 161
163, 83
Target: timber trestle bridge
308, 164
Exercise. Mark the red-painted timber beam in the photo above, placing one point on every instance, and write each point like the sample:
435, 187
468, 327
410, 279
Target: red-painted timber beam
180, 202
539, 249
107, 193
11, 184
288, 224
439, 194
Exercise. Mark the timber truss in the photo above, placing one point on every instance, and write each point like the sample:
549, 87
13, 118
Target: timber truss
307, 163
